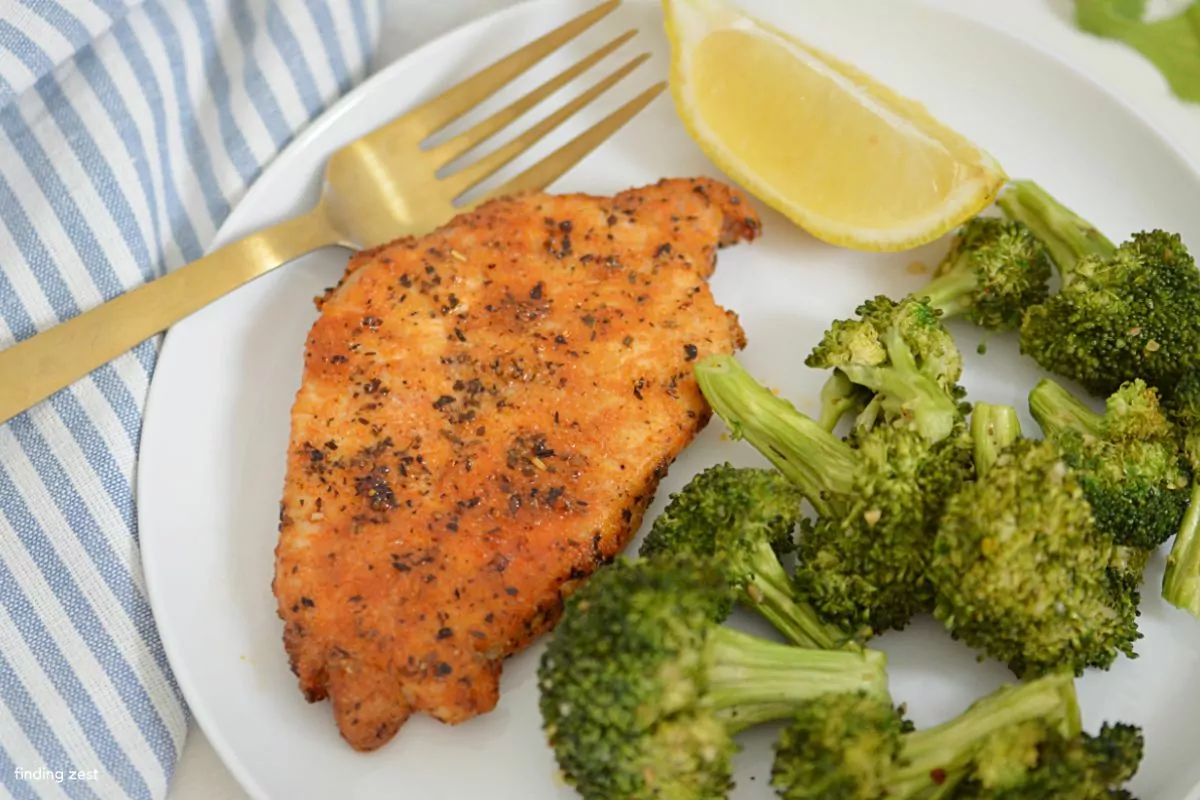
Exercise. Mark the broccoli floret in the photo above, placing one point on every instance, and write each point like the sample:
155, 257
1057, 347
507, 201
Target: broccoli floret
1181, 581
995, 270
1082, 767
843, 746
1133, 316
1127, 459
1067, 236
1021, 569
1126, 571
1122, 314
904, 355
862, 562
864, 567
852, 747
642, 688
741, 519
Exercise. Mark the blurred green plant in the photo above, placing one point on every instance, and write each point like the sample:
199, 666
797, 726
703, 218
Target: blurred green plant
1171, 44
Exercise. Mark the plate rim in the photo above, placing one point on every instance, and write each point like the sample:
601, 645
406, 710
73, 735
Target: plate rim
230, 759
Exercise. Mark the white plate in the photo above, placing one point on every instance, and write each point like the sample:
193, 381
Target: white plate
216, 427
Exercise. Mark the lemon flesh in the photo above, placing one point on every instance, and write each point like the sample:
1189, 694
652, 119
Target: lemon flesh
842, 156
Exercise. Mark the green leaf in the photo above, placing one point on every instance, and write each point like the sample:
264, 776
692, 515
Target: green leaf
1171, 44
1130, 9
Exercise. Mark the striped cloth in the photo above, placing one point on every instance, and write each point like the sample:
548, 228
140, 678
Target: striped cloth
128, 130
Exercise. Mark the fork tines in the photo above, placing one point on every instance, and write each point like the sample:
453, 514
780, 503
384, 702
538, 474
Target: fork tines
458, 100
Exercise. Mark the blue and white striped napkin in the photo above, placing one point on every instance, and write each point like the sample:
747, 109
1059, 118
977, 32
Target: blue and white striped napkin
128, 130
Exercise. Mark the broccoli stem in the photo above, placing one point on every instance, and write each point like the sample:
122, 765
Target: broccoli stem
1057, 410
838, 397
771, 592
1181, 581
949, 749
951, 291
1067, 236
810, 456
910, 396
750, 716
752, 680
993, 428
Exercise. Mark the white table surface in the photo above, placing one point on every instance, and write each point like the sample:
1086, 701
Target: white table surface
409, 23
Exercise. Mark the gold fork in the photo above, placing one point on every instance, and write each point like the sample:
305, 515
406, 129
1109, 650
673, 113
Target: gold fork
378, 188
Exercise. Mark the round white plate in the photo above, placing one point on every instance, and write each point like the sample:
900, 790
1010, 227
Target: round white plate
216, 427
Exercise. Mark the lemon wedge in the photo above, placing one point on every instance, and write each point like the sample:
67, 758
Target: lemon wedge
842, 156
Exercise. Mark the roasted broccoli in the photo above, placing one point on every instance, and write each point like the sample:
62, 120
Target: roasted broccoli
1020, 567
862, 562
815, 460
1126, 571
1082, 767
741, 519
1016, 742
841, 397
1127, 459
995, 270
642, 688
1122, 313
993, 429
865, 566
903, 354
1181, 581
1067, 236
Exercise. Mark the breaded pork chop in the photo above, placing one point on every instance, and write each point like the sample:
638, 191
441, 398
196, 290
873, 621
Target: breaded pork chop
485, 414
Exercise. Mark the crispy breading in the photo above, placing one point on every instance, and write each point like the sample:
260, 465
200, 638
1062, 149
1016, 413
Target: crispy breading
485, 415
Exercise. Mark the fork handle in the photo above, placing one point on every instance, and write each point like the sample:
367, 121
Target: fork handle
36, 368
